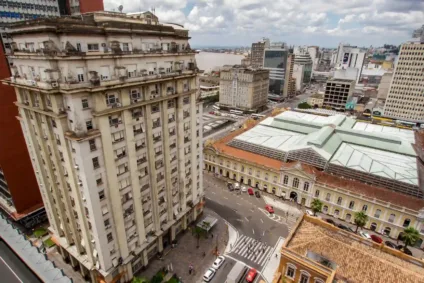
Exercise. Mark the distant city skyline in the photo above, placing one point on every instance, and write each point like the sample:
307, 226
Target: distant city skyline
325, 23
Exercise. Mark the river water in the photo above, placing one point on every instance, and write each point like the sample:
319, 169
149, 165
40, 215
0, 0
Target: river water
207, 60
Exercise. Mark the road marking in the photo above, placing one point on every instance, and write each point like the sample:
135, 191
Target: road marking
253, 231
241, 220
262, 221
263, 234
214, 193
225, 197
17, 277
246, 219
238, 204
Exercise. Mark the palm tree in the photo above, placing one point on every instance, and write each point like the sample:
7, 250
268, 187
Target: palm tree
360, 219
410, 235
198, 233
139, 280
316, 206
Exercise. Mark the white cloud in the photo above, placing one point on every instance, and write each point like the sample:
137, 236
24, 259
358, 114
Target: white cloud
240, 22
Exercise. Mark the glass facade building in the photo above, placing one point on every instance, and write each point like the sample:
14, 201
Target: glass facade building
275, 60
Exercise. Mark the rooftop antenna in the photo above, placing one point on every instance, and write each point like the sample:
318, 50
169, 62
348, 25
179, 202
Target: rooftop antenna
153, 10
120, 8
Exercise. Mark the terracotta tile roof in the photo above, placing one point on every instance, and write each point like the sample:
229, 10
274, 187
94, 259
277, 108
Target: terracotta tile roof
370, 191
357, 259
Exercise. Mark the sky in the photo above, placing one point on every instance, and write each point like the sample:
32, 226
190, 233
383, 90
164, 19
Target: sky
325, 23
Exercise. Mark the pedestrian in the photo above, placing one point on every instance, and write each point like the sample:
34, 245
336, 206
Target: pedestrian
212, 235
276, 255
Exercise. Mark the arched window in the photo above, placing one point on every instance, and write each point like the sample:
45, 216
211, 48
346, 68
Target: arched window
352, 204
304, 276
266, 176
306, 186
339, 201
387, 231
286, 180
295, 183
364, 208
325, 209
377, 213
290, 270
336, 212
348, 217
317, 193
373, 226
392, 218
327, 197
406, 222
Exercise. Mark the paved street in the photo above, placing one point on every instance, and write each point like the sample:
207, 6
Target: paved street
12, 269
258, 231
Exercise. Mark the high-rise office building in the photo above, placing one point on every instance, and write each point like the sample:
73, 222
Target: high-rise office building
314, 53
243, 88
19, 197
275, 60
405, 100
302, 58
113, 127
337, 92
257, 53
348, 56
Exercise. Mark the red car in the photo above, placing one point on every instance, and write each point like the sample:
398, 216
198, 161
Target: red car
376, 239
251, 275
269, 208
250, 191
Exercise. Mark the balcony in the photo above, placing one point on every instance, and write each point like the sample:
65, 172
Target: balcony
170, 120
157, 139
173, 145
144, 188
157, 153
187, 139
155, 124
146, 212
138, 131
141, 160
121, 155
140, 146
173, 158
172, 133
160, 178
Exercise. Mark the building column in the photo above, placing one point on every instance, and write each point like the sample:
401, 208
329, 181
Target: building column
160, 243
184, 222
145, 259
172, 233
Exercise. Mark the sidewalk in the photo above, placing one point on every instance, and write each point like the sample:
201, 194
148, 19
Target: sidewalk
272, 265
232, 237
185, 253
286, 207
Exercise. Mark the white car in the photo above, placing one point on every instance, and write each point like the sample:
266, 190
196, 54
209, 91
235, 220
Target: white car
218, 262
310, 213
209, 274
244, 189
364, 235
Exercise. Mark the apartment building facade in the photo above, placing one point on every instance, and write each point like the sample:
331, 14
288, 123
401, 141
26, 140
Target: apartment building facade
243, 88
257, 53
337, 92
111, 120
405, 100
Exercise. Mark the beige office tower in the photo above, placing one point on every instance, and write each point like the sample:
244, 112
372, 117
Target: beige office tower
405, 100
108, 106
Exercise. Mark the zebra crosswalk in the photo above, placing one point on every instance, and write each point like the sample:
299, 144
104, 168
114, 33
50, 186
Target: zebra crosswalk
251, 249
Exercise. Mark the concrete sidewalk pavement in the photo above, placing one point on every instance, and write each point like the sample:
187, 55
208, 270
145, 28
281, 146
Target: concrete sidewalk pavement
273, 262
232, 237
282, 206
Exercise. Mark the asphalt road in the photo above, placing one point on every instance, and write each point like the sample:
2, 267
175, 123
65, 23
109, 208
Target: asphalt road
257, 228
12, 269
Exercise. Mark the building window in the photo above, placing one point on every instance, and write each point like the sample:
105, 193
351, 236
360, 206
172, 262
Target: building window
92, 47
364, 208
327, 197
89, 125
317, 193
286, 180
102, 195
92, 144
304, 278
407, 222
339, 201
109, 237
392, 218
266, 176
351, 204
84, 103
306, 186
336, 212
295, 183
325, 209
107, 222
111, 99
377, 213
348, 217
242, 168
291, 270
96, 163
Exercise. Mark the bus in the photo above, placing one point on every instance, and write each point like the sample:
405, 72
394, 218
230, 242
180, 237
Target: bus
257, 116
236, 112
215, 107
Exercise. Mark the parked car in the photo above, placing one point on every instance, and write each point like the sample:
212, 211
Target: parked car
218, 262
251, 275
237, 186
405, 250
243, 189
390, 244
250, 191
308, 212
341, 226
269, 208
331, 221
209, 274
257, 194
364, 235
376, 239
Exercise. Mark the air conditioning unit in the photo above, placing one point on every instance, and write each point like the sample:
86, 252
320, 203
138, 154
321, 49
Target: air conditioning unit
80, 183
93, 241
55, 84
103, 44
83, 198
33, 83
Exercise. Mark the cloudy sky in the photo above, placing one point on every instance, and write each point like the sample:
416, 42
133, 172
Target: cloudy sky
298, 22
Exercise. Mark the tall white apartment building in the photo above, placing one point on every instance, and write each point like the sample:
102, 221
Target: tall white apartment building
348, 56
108, 107
405, 100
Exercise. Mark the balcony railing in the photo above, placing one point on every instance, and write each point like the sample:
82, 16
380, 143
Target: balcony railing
141, 160
156, 124
172, 146
157, 153
157, 139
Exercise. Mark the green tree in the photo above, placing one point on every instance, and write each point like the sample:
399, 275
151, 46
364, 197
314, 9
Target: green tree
139, 280
316, 206
410, 235
360, 219
199, 233
304, 105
